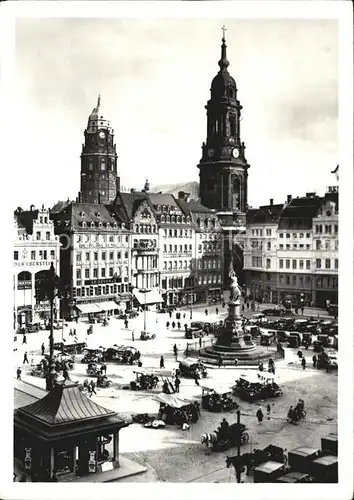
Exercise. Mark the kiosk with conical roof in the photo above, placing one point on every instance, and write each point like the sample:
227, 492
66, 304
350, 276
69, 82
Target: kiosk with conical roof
66, 434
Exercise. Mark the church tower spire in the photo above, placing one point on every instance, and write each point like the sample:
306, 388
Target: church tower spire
99, 180
223, 166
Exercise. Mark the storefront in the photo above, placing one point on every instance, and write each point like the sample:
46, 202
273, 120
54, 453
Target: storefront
65, 435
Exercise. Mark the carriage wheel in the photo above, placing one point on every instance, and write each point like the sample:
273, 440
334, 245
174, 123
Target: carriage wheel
303, 414
245, 438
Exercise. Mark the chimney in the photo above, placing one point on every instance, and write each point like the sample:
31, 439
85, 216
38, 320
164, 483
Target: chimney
99, 197
118, 184
31, 208
289, 198
79, 197
271, 202
183, 196
310, 195
132, 190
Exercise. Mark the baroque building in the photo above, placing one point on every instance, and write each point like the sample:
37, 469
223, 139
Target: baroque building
36, 247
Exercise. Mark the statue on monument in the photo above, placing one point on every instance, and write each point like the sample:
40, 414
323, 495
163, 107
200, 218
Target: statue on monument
235, 290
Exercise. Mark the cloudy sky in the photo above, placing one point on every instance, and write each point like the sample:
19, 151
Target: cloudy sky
154, 78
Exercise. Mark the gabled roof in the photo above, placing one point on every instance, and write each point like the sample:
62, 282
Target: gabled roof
59, 206
197, 207
298, 214
162, 199
64, 404
266, 214
74, 214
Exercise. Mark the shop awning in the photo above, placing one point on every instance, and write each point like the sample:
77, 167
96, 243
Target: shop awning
172, 400
108, 306
88, 308
152, 297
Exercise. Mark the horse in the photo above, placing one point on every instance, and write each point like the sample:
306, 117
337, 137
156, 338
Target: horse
209, 439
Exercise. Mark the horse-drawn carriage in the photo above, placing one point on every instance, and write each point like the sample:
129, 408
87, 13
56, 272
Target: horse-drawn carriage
253, 386
103, 381
296, 414
93, 356
217, 398
235, 434
70, 346
93, 369
190, 367
147, 379
122, 354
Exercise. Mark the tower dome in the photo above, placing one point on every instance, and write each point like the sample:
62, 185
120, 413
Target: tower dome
97, 119
223, 84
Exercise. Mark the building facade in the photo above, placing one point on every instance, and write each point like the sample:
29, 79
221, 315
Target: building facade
95, 260
293, 253
36, 247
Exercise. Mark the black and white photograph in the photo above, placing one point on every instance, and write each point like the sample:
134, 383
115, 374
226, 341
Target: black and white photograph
172, 180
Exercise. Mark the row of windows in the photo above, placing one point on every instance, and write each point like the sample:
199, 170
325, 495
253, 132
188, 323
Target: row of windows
295, 235
43, 220
174, 219
175, 233
177, 264
42, 254
300, 281
103, 166
326, 228
259, 232
103, 254
256, 261
39, 236
97, 274
145, 229
90, 291
209, 279
259, 244
174, 248
327, 245
300, 264
295, 246
172, 283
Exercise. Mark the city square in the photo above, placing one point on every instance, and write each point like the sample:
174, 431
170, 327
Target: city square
184, 332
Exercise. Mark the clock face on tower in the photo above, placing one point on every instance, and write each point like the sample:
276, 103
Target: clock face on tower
102, 135
235, 153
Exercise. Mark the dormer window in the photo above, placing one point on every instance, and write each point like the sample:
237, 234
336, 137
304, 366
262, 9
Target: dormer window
115, 225
167, 218
92, 224
123, 225
83, 224
82, 214
188, 219
162, 218
98, 214
172, 218
159, 208
108, 225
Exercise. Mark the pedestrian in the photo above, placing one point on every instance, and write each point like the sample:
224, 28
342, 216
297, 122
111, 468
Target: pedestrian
206, 312
259, 415
217, 310
236, 361
140, 364
177, 384
24, 339
65, 373
196, 377
179, 325
93, 387
162, 362
314, 360
71, 332
268, 411
303, 363
220, 362
173, 325
184, 315
74, 332
247, 305
260, 367
243, 307
42, 348
25, 359
170, 314
133, 336
18, 372
302, 310
185, 327
175, 351
200, 342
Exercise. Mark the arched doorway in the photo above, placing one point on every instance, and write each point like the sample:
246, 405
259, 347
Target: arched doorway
24, 298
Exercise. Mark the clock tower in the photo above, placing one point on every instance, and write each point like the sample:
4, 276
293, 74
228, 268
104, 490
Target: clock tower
223, 166
99, 180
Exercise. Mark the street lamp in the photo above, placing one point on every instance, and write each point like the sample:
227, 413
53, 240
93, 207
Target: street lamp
48, 288
145, 291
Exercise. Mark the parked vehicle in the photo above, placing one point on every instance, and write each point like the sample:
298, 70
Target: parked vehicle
300, 325
122, 354
253, 386
325, 469
193, 333
294, 340
267, 338
189, 367
282, 336
217, 398
306, 339
268, 472
147, 336
295, 477
92, 356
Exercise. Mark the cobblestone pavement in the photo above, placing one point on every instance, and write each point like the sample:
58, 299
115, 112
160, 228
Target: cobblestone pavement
174, 455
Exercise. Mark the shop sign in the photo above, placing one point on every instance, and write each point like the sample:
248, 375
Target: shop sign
103, 281
39, 263
87, 246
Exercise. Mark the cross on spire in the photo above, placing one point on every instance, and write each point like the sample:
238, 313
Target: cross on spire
99, 100
223, 32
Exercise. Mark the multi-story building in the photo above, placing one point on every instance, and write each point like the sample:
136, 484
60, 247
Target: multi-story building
36, 247
95, 260
292, 250
260, 252
325, 248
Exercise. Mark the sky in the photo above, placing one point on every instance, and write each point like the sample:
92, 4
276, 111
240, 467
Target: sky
154, 78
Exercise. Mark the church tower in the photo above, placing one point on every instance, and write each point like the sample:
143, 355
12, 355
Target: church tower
223, 166
99, 180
